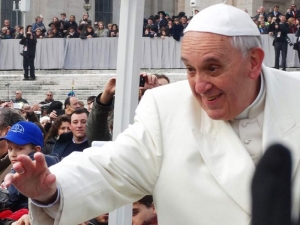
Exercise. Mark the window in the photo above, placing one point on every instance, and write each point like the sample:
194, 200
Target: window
103, 11
8, 13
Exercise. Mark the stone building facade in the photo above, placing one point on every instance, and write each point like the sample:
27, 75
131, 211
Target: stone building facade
109, 10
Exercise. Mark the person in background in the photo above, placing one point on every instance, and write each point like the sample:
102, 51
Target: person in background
54, 23
143, 212
297, 34
109, 26
19, 98
38, 34
63, 24
19, 32
102, 31
7, 25
72, 23
89, 33
279, 31
24, 138
90, 101
75, 140
263, 29
114, 31
292, 25
38, 24
29, 48
162, 79
60, 126
8, 117
72, 33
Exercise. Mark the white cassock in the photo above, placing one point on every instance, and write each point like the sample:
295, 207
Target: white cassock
198, 169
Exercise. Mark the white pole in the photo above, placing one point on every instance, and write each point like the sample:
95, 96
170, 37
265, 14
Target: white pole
127, 87
24, 21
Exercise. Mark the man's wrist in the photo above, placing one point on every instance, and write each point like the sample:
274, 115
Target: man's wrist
105, 98
50, 200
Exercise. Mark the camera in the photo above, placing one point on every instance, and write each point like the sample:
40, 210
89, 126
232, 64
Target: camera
142, 81
288, 40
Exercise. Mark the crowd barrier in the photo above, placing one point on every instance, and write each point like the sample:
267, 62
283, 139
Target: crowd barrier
101, 53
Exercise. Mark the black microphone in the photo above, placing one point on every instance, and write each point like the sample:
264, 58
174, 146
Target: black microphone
271, 188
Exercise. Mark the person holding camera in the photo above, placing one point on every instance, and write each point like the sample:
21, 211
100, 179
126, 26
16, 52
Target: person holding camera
29, 47
279, 31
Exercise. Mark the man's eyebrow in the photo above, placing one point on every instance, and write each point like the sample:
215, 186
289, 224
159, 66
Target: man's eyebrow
184, 59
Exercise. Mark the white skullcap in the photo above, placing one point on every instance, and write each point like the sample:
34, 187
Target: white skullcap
44, 118
225, 20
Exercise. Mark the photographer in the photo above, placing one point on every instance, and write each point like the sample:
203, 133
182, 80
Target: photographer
298, 37
279, 31
29, 43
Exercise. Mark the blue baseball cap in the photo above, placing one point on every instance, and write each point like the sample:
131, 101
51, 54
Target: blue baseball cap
23, 133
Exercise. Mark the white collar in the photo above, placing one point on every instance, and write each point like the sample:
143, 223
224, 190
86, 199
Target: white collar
257, 106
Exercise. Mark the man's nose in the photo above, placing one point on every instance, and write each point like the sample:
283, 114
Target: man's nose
202, 85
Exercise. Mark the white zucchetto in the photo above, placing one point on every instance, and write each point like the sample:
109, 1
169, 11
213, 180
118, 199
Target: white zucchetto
225, 20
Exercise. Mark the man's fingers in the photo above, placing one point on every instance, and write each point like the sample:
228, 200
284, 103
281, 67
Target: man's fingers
25, 164
40, 160
8, 179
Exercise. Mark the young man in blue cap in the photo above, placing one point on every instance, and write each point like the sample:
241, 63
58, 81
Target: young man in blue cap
24, 138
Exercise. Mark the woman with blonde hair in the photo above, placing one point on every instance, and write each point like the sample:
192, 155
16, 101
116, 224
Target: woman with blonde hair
292, 27
102, 31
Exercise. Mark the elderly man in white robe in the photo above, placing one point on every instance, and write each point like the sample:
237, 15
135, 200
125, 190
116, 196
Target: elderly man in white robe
194, 144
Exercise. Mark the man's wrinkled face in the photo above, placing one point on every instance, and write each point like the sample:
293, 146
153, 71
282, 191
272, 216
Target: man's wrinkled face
218, 74
74, 104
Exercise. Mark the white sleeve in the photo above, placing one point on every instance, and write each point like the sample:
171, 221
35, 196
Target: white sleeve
99, 180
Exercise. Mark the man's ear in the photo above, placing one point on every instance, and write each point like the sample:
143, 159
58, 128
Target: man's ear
7, 129
153, 207
256, 56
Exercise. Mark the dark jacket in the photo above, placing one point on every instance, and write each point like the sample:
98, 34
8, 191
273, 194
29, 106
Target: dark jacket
284, 29
48, 146
18, 201
273, 14
92, 33
61, 145
30, 44
177, 30
72, 24
74, 35
97, 125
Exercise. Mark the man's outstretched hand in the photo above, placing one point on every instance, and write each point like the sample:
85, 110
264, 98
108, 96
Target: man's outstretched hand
33, 179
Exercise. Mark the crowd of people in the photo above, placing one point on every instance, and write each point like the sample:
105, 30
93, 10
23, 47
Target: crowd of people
61, 28
183, 145
57, 129
266, 21
160, 25
279, 25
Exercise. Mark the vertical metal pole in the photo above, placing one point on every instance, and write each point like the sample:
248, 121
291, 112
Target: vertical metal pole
127, 87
